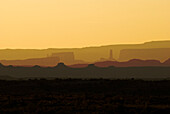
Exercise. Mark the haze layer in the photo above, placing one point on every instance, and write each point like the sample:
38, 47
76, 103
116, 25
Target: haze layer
79, 23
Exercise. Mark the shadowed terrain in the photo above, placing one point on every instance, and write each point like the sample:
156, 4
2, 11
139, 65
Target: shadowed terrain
89, 72
85, 96
92, 89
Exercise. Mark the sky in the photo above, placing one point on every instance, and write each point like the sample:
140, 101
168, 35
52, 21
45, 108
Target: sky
82, 23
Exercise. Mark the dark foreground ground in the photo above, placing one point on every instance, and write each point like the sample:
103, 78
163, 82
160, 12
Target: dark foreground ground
85, 96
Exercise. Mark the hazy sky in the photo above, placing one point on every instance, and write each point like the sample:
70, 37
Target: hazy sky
79, 23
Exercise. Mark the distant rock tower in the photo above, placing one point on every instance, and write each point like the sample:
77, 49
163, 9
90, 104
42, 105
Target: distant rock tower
111, 55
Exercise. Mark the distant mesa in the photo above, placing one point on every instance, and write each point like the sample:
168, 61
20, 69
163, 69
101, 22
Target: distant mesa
110, 57
154, 50
66, 57
161, 54
53, 60
130, 63
48, 61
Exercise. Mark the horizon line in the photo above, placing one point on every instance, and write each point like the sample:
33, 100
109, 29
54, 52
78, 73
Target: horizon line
87, 46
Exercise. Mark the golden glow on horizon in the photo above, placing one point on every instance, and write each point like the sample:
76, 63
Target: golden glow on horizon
79, 23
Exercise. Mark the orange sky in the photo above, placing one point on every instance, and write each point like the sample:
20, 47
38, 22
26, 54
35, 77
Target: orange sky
80, 23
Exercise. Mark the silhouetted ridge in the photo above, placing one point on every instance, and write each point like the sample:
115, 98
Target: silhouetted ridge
121, 70
1, 65
61, 65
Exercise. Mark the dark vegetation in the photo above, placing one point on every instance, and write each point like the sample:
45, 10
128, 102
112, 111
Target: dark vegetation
84, 96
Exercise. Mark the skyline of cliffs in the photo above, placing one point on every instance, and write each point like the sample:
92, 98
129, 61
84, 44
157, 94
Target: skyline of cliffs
121, 52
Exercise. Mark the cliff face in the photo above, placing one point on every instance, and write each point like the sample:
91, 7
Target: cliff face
66, 57
161, 54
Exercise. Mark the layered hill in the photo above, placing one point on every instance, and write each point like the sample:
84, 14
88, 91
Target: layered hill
89, 54
91, 71
130, 63
48, 61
